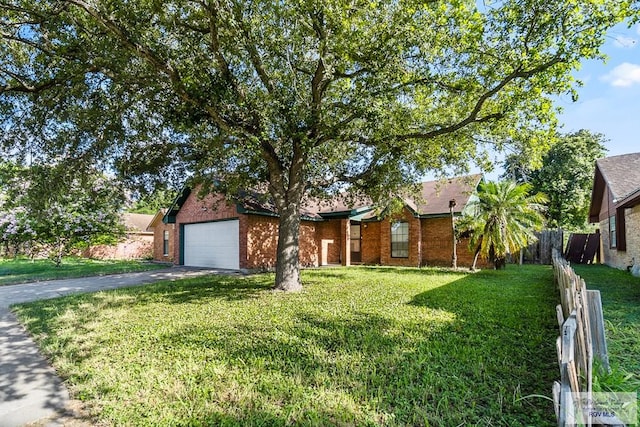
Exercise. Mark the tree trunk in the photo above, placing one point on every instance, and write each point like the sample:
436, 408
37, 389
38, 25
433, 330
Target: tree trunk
476, 255
475, 259
288, 253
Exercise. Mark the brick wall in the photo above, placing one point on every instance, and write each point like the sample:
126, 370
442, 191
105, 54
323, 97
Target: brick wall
158, 242
262, 242
633, 234
371, 243
133, 247
415, 241
437, 245
309, 246
623, 259
437, 241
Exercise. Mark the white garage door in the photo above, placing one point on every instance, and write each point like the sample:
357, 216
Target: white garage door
212, 244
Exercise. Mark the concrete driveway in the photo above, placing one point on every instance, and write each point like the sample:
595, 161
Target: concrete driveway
30, 390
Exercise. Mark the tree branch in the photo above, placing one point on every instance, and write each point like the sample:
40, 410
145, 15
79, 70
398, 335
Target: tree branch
154, 60
23, 85
254, 56
223, 64
473, 115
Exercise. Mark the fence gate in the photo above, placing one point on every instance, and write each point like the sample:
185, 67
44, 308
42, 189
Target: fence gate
583, 248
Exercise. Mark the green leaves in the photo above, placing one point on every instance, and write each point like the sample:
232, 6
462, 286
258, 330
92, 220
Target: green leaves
566, 177
300, 73
50, 209
503, 219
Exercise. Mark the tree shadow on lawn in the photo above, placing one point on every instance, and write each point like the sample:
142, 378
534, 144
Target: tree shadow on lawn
363, 367
414, 270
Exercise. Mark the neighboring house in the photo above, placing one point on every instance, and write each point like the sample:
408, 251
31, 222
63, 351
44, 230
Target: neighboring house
211, 232
137, 244
615, 205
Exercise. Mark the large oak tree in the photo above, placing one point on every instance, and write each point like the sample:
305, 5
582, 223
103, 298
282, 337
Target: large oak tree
301, 98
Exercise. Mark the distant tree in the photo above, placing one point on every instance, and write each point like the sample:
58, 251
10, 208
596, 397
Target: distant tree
53, 209
298, 98
152, 202
517, 167
502, 220
566, 178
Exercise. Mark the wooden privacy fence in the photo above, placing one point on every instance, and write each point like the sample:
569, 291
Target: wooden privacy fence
581, 339
583, 248
541, 251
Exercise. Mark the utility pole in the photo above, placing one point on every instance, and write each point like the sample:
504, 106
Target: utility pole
454, 256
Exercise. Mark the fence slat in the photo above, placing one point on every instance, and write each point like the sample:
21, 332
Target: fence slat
559, 316
581, 322
597, 329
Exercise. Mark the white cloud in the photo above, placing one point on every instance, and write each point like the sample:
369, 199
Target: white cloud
624, 75
625, 42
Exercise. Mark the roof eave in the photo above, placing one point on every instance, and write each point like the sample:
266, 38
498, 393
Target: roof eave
629, 201
170, 216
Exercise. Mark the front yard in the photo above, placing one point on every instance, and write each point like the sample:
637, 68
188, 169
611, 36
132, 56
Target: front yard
359, 346
22, 270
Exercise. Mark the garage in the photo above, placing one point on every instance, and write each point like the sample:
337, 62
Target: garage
212, 244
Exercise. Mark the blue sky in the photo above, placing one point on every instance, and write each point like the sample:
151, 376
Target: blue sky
609, 101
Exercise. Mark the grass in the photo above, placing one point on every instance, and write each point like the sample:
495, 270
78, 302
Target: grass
359, 346
22, 270
620, 293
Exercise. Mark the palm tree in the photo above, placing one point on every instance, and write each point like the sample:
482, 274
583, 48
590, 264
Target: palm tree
502, 220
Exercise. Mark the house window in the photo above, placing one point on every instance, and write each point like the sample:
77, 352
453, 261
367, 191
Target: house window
165, 243
612, 232
400, 240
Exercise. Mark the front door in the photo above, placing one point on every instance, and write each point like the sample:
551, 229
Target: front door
356, 254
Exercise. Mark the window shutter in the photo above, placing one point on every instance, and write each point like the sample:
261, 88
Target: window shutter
621, 234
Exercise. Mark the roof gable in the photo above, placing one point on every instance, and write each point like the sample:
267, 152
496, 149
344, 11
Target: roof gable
621, 174
597, 195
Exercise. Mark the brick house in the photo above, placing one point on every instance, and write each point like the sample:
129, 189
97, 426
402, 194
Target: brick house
137, 243
208, 231
615, 206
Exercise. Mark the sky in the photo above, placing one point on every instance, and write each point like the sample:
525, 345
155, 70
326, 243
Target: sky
609, 101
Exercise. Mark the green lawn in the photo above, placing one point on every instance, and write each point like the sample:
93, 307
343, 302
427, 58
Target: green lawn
620, 293
23, 270
359, 346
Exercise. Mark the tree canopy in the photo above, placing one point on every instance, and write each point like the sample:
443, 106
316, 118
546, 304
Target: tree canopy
305, 98
565, 176
48, 209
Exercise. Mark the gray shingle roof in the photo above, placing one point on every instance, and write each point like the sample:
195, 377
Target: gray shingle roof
622, 173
